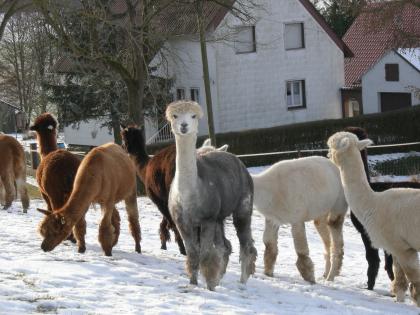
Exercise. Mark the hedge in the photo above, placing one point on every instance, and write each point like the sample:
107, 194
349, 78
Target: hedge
394, 127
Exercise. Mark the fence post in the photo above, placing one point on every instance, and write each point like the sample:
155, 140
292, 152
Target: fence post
34, 155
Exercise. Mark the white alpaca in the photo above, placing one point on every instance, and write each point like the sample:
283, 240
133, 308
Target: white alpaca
296, 191
391, 218
205, 190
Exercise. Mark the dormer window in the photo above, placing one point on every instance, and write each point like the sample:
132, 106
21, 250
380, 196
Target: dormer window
294, 36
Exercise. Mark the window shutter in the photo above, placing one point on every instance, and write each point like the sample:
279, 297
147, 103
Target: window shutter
303, 93
392, 72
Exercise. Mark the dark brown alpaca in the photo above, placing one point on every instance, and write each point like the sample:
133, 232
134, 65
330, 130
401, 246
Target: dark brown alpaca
156, 173
56, 172
12, 172
106, 176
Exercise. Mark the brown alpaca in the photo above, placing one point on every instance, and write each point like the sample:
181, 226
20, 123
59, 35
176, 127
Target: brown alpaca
55, 174
12, 172
106, 176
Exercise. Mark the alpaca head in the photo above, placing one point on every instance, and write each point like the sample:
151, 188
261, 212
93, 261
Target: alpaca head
342, 142
54, 229
206, 147
45, 124
133, 140
184, 116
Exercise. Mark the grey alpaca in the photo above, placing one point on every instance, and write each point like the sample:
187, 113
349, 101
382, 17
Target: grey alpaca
205, 190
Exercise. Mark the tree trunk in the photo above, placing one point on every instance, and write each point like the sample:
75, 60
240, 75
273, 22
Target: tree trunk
115, 121
206, 74
135, 104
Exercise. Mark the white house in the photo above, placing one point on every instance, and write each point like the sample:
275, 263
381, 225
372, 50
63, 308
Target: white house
379, 78
391, 82
286, 67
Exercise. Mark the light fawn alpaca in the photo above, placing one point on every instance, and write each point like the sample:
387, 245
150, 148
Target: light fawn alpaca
296, 191
12, 172
391, 218
106, 176
205, 190
55, 174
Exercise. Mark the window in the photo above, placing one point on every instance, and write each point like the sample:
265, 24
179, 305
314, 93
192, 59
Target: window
294, 36
245, 40
392, 72
180, 94
295, 94
195, 94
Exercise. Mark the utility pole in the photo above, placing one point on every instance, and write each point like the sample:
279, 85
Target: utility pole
206, 76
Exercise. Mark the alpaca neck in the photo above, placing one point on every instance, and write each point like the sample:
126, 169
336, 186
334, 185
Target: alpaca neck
78, 203
141, 159
356, 186
186, 161
47, 143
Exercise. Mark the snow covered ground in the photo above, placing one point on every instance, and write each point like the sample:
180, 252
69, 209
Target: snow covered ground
155, 282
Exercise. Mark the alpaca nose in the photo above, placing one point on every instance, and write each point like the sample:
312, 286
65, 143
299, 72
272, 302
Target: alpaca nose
184, 127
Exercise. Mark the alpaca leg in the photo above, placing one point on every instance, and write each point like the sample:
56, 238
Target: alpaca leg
2, 194
321, 226
223, 244
178, 239
21, 187
9, 188
211, 264
133, 219
388, 265
116, 222
79, 232
372, 254
190, 236
399, 284
270, 241
164, 233
409, 262
335, 225
304, 262
248, 253
106, 230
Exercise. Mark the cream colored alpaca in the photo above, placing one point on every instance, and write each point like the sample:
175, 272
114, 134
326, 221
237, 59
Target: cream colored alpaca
296, 191
391, 218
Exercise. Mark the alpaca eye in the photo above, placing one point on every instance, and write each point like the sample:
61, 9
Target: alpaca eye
193, 116
175, 116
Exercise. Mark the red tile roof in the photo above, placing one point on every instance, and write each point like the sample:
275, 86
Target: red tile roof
371, 36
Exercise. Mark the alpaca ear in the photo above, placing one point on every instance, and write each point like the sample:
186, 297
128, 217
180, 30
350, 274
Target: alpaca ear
206, 143
362, 144
46, 212
223, 148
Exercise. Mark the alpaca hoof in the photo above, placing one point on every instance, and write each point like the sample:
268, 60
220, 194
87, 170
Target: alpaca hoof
415, 294
108, 252
193, 281
400, 296
138, 249
71, 239
211, 287
269, 273
163, 246
25, 210
81, 249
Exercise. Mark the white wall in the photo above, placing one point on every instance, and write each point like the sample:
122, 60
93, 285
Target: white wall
90, 133
373, 82
252, 86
